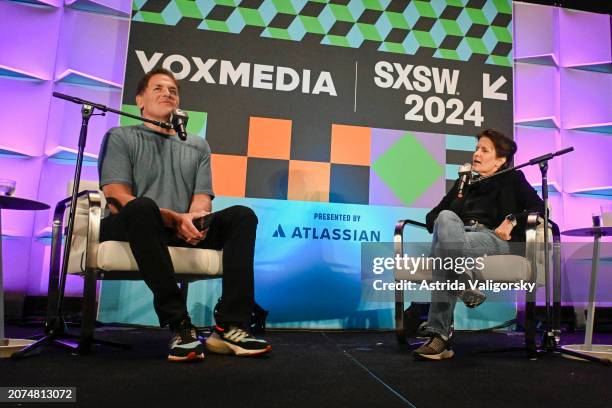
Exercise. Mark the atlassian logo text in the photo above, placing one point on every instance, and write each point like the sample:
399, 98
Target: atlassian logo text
332, 234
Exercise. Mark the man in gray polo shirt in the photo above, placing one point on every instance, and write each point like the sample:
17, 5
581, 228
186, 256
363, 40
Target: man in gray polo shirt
156, 185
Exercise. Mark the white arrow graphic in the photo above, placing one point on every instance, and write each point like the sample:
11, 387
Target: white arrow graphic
489, 90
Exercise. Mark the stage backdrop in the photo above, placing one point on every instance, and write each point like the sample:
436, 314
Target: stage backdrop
332, 120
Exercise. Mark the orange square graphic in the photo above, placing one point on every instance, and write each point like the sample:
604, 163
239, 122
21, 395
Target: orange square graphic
308, 181
229, 175
269, 138
350, 145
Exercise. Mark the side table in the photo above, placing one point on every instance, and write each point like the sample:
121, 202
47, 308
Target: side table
597, 350
9, 346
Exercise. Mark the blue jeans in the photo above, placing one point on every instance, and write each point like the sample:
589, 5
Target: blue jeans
451, 238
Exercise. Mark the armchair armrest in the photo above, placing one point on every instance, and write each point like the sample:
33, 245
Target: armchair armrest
533, 244
534, 251
399, 227
90, 200
398, 246
86, 234
535, 254
398, 235
556, 233
535, 219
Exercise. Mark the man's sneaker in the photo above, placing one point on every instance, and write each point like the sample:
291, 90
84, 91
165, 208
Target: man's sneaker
236, 340
436, 348
185, 345
472, 297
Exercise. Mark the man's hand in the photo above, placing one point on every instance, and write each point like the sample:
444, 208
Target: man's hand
185, 230
504, 230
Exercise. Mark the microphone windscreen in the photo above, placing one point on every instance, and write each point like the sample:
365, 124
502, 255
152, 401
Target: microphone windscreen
466, 168
179, 120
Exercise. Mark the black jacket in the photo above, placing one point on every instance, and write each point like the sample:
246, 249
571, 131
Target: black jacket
490, 201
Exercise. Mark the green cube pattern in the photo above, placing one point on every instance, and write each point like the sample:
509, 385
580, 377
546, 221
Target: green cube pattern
446, 29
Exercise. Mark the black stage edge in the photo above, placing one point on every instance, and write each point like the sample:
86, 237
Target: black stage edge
314, 369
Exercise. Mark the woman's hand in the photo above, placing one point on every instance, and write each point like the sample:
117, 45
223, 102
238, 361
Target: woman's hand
504, 230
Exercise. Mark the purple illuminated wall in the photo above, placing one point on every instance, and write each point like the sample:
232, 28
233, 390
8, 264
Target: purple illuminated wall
563, 94
563, 97
74, 47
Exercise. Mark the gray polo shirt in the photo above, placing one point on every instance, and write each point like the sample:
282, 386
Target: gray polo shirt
155, 165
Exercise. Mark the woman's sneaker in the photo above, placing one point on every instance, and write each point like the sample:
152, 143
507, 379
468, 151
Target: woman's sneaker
424, 332
472, 297
436, 348
185, 345
236, 340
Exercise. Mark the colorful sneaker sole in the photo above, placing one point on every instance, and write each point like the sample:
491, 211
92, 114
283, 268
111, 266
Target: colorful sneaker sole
193, 356
441, 356
216, 344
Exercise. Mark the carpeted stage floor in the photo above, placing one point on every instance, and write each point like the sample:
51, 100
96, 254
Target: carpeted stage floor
314, 369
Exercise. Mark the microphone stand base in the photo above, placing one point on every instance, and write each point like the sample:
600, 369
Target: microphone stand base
56, 333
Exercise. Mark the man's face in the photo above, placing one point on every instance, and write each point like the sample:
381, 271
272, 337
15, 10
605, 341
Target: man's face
159, 99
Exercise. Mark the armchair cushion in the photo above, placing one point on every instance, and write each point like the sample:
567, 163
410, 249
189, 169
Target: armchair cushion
117, 256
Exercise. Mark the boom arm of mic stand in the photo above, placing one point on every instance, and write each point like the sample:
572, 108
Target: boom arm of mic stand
105, 108
534, 161
549, 156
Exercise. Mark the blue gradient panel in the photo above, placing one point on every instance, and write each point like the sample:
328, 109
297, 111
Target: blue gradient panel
451, 171
467, 143
307, 270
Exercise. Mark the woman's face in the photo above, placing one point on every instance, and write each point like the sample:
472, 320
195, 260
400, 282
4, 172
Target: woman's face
485, 161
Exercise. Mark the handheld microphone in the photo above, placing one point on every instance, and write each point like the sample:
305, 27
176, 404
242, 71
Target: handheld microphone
465, 173
179, 123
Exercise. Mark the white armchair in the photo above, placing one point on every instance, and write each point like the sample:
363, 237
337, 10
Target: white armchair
112, 260
497, 268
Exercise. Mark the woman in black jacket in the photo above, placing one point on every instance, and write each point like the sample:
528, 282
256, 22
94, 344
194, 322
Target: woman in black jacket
490, 213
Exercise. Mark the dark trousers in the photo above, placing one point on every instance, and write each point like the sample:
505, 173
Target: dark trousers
232, 230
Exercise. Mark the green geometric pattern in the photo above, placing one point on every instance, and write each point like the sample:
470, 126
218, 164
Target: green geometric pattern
450, 29
407, 156
196, 125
